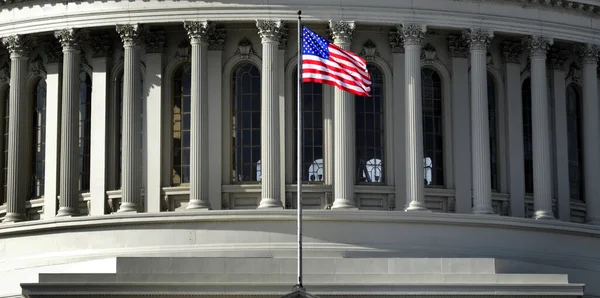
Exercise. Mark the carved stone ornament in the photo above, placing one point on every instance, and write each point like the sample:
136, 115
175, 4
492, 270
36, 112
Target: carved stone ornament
511, 51
478, 39
225, 201
155, 42
428, 52
328, 200
216, 40
101, 46
245, 48
5, 73
574, 74
413, 34
36, 65
457, 46
557, 58
69, 38
284, 33
369, 51
130, 34
396, 41
198, 31
184, 50
269, 31
451, 204
588, 53
53, 51
391, 201
538, 45
17, 45
342, 31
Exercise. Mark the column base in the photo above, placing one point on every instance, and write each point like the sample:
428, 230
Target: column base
13, 217
416, 206
67, 211
128, 207
343, 204
198, 205
270, 203
484, 210
544, 215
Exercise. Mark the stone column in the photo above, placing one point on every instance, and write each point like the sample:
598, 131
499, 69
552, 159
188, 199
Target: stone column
269, 32
516, 187
591, 132
344, 169
17, 191
480, 135
130, 157
198, 35
397, 45
69, 137
413, 39
542, 161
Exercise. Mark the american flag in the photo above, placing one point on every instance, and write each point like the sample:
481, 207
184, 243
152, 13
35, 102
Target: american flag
326, 63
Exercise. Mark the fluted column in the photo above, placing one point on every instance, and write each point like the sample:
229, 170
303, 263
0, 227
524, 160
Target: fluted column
542, 161
198, 35
131, 145
344, 170
69, 137
269, 32
591, 132
413, 38
18, 47
480, 134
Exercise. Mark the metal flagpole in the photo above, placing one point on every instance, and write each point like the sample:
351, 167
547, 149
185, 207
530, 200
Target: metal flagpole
299, 153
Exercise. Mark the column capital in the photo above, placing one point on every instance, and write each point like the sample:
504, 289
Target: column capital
130, 34
396, 41
198, 31
413, 34
342, 31
69, 38
589, 53
557, 58
538, 45
269, 31
101, 46
458, 46
478, 39
511, 51
155, 42
216, 40
18, 45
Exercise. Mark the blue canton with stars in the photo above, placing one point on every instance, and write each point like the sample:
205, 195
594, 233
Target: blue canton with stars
313, 44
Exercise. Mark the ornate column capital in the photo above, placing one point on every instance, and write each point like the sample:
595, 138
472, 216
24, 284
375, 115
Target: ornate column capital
538, 45
17, 45
155, 42
478, 39
130, 34
69, 38
216, 40
557, 58
269, 31
413, 34
396, 41
458, 46
589, 53
198, 31
511, 51
342, 31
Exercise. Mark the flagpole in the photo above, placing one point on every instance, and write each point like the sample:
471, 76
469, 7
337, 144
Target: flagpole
299, 153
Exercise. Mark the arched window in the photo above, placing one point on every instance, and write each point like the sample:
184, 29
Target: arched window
120, 91
246, 119
370, 131
527, 135
312, 130
85, 121
433, 133
5, 148
493, 127
39, 139
575, 145
181, 125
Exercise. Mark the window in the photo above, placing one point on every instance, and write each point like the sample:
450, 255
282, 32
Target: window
5, 149
181, 125
575, 145
527, 135
312, 130
85, 121
433, 134
370, 131
246, 118
491, 88
39, 139
120, 91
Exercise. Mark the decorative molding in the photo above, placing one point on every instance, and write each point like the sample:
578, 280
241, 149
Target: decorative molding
184, 50
574, 73
428, 52
216, 40
155, 42
130, 34
18, 45
269, 31
245, 48
369, 50
70, 38
198, 32
588, 53
511, 51
557, 58
53, 51
478, 39
36, 65
413, 34
342, 31
458, 46
101, 46
396, 41
538, 45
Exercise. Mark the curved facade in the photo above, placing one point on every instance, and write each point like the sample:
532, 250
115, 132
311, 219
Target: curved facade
134, 131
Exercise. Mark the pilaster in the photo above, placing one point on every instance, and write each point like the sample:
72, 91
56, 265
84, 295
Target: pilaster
398, 62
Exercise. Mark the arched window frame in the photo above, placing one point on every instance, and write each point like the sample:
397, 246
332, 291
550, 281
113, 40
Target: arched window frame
33, 80
85, 136
579, 139
175, 154
527, 126
501, 162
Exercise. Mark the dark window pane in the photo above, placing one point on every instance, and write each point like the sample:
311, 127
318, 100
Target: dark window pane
370, 130
433, 134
